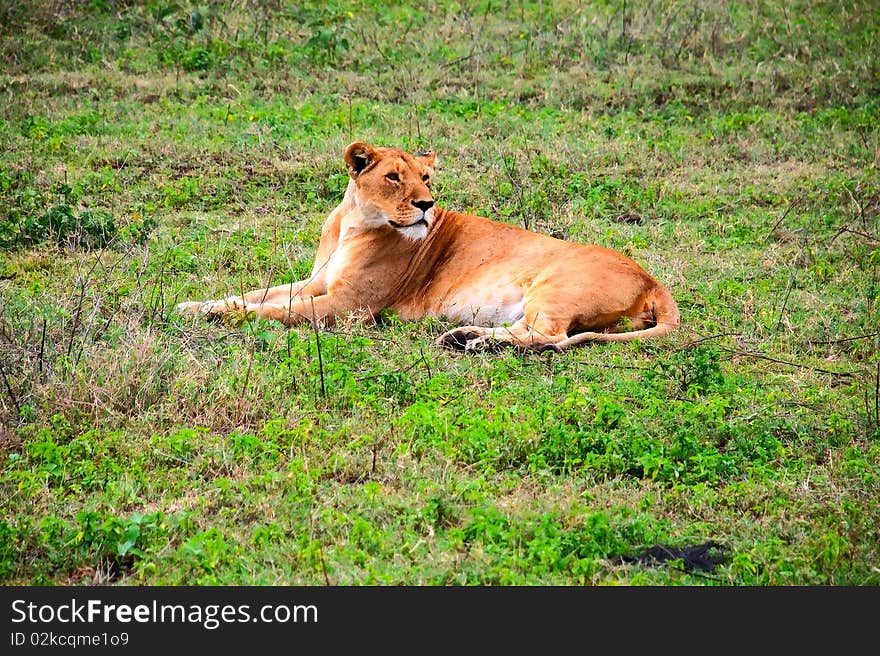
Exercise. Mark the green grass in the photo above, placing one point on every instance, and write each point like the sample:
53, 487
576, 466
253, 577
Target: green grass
157, 152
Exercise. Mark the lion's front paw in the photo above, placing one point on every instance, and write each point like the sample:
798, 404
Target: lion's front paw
210, 310
194, 308
232, 307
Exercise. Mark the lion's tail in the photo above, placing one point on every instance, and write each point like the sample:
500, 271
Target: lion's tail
666, 319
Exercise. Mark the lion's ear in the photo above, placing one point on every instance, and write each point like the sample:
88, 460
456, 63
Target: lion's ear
358, 156
428, 158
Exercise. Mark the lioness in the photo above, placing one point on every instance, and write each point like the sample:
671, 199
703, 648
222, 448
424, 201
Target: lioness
387, 245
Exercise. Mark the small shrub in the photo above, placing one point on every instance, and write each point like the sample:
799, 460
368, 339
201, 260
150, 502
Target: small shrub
196, 59
65, 226
8, 551
695, 371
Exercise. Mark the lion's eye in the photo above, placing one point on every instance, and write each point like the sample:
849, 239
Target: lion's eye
393, 177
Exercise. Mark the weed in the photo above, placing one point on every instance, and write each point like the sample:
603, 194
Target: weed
694, 371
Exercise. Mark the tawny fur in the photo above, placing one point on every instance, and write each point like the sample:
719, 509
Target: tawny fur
387, 246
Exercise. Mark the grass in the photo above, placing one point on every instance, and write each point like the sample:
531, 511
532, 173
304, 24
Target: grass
156, 152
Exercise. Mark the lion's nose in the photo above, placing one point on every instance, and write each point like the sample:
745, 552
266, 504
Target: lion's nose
423, 205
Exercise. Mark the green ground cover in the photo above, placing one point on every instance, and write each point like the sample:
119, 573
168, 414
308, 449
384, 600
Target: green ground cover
157, 152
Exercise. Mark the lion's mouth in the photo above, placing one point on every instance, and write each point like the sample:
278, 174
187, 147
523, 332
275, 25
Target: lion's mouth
399, 226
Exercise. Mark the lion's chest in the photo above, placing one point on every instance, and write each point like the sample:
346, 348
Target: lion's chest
365, 265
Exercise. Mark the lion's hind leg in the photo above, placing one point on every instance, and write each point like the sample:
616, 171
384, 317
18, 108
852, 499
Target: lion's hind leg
465, 338
520, 335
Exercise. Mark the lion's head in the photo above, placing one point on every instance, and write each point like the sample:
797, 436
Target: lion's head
393, 187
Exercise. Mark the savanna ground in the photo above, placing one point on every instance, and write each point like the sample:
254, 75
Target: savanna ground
158, 152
